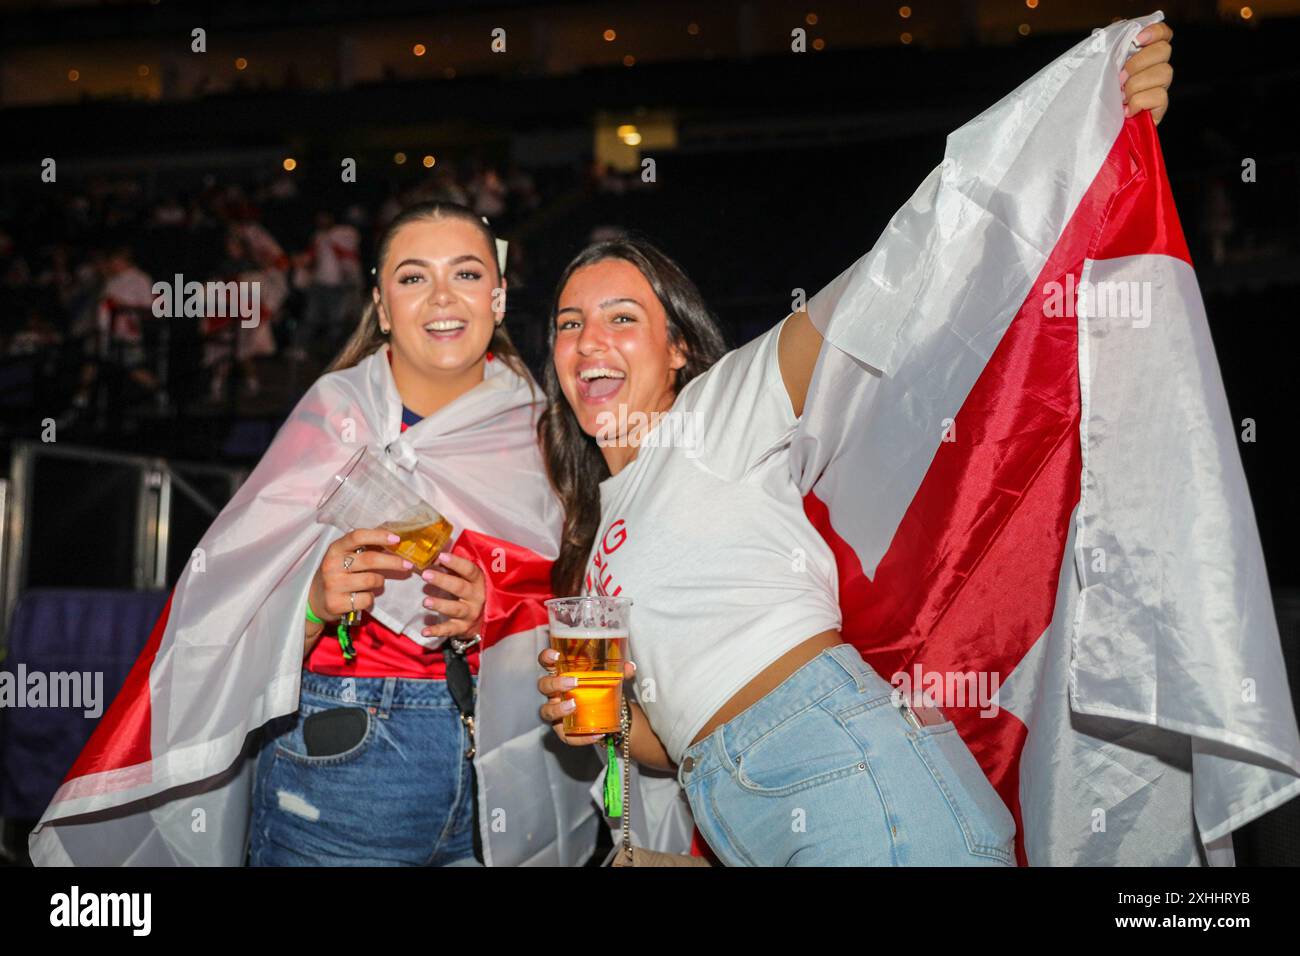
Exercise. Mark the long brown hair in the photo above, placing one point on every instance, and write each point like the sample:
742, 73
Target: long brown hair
368, 337
573, 460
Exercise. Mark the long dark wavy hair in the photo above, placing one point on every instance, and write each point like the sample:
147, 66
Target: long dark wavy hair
368, 337
573, 460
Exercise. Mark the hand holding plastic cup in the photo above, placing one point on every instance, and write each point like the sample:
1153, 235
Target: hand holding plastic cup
590, 634
365, 494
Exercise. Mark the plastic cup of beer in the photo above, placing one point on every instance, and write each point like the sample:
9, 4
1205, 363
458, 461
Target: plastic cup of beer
365, 494
590, 634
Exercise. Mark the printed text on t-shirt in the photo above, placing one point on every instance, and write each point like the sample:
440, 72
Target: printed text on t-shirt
610, 542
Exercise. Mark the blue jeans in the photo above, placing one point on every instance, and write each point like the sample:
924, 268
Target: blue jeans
827, 770
401, 796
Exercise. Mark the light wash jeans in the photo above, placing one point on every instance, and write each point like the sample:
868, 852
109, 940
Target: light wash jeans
827, 770
402, 796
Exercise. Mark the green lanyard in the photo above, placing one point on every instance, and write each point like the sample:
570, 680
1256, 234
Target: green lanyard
613, 785
615, 782
345, 641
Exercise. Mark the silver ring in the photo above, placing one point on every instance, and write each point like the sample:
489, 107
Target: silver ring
347, 561
352, 599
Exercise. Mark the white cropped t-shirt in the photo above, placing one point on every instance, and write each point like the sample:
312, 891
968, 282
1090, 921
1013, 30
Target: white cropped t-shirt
705, 532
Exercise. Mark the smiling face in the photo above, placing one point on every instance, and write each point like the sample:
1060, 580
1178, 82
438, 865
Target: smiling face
438, 279
612, 347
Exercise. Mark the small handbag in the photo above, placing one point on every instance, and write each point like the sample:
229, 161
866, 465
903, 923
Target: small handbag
625, 854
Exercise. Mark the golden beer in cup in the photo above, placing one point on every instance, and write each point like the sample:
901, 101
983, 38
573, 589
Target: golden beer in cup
591, 634
422, 540
365, 494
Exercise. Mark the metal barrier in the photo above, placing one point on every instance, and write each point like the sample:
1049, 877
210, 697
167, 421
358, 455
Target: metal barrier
157, 494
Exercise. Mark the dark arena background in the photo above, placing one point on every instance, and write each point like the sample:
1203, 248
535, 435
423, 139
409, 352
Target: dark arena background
772, 172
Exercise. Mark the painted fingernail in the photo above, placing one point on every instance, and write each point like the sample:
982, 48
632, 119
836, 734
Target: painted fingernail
407, 565
567, 706
427, 575
568, 683
428, 602
1144, 36
393, 539
1123, 77
444, 558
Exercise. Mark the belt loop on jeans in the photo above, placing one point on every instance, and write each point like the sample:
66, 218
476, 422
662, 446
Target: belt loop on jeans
720, 749
386, 699
852, 661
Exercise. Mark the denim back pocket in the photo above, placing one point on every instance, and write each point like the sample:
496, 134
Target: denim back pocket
985, 821
806, 750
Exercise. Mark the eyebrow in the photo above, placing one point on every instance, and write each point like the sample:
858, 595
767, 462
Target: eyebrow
604, 305
455, 262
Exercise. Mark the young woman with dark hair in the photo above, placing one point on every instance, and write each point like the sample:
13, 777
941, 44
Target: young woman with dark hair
759, 705
674, 466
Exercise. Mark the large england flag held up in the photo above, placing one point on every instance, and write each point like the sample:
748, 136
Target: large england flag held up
1018, 443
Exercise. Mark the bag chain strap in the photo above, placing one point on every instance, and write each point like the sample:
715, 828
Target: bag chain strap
625, 731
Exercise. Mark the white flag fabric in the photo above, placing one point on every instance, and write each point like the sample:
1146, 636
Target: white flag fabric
1018, 445
164, 779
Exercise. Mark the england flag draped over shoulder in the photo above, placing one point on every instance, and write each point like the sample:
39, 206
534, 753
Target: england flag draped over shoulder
1020, 448
165, 777
1018, 445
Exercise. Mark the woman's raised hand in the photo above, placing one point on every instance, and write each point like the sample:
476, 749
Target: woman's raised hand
1147, 74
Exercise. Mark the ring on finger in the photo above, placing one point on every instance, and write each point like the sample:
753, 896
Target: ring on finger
347, 561
352, 599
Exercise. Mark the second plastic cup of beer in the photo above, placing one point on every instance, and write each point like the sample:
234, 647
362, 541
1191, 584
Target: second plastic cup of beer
590, 634
365, 494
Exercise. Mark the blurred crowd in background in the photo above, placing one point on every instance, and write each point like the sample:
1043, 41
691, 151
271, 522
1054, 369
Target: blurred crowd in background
77, 291
761, 193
